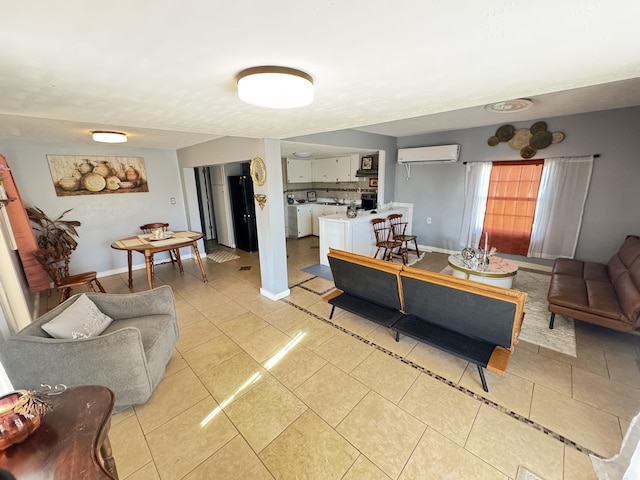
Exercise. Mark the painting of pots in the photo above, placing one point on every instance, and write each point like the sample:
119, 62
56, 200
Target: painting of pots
91, 175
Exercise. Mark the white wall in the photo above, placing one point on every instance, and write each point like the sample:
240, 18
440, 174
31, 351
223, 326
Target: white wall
104, 218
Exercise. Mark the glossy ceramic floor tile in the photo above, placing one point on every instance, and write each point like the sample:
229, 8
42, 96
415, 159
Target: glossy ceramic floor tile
280, 384
577, 466
233, 378
234, 461
386, 375
443, 408
510, 391
586, 425
383, 432
344, 351
173, 395
189, 438
310, 449
437, 457
541, 370
331, 393
241, 326
608, 395
438, 362
264, 413
211, 353
506, 443
296, 366
363, 469
129, 446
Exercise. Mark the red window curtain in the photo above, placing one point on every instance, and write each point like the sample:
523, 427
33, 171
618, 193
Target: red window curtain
511, 204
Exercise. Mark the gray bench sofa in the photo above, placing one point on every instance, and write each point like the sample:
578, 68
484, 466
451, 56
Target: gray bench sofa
129, 357
474, 321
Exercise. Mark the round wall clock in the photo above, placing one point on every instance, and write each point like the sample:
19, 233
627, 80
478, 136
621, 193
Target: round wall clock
258, 171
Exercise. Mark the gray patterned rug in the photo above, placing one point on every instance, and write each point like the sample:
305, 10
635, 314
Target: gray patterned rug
535, 327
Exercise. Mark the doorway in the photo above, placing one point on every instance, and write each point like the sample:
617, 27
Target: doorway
206, 206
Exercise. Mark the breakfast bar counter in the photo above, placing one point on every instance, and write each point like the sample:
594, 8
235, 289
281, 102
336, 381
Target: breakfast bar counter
356, 234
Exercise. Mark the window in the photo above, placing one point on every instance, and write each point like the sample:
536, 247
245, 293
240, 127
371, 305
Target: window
511, 204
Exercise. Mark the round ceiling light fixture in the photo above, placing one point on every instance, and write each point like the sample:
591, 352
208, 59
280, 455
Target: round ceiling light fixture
109, 137
509, 106
302, 154
275, 87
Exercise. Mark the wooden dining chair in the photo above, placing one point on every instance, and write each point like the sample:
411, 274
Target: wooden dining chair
58, 271
398, 229
174, 254
384, 239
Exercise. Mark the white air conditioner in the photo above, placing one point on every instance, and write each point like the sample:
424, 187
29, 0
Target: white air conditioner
435, 154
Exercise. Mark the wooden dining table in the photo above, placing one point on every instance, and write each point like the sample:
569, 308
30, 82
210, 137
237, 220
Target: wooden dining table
148, 245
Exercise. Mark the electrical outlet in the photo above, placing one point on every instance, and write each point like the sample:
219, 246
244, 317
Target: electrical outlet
428, 220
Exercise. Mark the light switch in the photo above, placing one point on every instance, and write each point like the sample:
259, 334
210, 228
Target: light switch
173, 200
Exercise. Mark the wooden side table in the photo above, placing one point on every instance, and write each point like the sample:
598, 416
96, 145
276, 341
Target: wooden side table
72, 442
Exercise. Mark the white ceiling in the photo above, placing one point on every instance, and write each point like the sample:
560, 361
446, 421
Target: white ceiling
164, 71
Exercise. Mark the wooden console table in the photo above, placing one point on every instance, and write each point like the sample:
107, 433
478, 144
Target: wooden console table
72, 442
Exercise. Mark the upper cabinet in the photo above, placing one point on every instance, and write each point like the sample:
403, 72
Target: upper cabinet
299, 171
324, 170
336, 169
328, 170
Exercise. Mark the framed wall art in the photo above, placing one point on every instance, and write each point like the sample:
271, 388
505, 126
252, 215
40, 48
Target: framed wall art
90, 175
373, 182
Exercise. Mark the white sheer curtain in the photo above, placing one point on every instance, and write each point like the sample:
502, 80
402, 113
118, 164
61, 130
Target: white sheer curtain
561, 198
476, 188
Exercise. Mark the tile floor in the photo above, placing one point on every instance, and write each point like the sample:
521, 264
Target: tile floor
258, 389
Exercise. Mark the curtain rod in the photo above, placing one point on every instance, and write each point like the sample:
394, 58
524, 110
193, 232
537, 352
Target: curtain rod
595, 155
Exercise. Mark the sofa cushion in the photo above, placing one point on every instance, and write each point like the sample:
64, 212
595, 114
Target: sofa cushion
624, 270
80, 320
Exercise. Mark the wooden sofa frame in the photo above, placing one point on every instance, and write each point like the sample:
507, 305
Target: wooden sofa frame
477, 322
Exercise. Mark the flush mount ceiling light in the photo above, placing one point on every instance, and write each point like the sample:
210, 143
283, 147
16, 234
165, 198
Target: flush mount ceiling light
509, 106
109, 137
302, 154
275, 87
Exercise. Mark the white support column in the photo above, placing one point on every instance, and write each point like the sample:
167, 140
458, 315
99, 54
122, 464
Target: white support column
270, 223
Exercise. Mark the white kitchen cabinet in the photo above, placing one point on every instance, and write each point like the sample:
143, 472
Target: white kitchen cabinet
299, 171
354, 165
343, 169
322, 211
323, 169
316, 212
300, 224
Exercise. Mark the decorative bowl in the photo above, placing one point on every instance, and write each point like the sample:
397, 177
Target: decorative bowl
21, 413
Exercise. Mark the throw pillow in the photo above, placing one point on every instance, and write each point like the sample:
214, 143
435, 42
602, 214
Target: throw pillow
80, 320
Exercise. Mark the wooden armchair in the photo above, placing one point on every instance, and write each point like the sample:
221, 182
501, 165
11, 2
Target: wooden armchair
174, 254
58, 271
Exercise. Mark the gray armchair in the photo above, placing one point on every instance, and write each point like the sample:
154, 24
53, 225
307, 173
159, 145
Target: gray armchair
129, 357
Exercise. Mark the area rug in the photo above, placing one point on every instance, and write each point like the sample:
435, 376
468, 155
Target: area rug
535, 327
319, 270
222, 256
413, 258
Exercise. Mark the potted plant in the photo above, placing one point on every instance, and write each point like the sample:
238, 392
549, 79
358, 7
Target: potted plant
54, 233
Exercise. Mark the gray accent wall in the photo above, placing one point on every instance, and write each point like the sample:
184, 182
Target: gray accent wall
611, 210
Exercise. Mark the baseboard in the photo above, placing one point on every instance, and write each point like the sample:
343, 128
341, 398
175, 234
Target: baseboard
139, 266
277, 296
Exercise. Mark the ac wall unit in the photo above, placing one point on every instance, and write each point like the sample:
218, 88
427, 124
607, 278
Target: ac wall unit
435, 154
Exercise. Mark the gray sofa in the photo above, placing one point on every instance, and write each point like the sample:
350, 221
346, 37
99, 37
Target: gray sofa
129, 357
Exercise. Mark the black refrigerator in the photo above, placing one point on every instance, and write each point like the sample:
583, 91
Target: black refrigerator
243, 212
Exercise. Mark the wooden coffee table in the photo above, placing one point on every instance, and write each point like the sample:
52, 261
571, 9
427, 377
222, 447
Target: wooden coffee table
72, 441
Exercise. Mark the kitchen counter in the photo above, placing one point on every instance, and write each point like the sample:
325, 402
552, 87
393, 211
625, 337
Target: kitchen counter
356, 234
